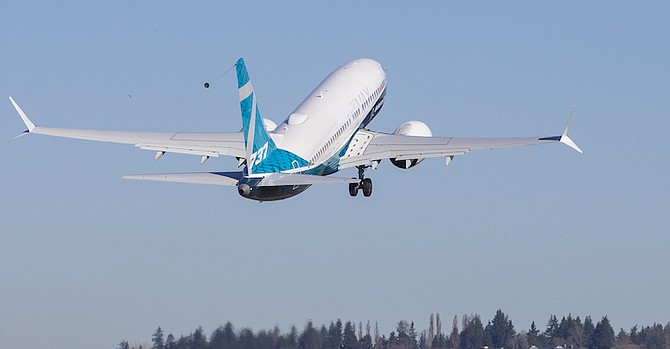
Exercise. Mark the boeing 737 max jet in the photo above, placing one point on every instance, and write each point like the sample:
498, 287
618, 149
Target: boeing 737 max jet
324, 134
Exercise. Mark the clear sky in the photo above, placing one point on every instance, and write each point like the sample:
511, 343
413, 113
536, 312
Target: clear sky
88, 259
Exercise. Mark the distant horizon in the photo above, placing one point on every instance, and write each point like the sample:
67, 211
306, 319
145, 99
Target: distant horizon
441, 333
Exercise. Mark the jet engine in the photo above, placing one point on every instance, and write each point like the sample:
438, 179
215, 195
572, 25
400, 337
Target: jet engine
412, 128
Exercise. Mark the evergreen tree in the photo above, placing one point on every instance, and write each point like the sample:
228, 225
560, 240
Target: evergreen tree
309, 339
472, 336
552, 328
199, 340
246, 339
123, 345
634, 338
500, 331
183, 342
157, 339
263, 340
533, 335
333, 339
622, 338
431, 331
588, 331
223, 337
406, 336
412, 335
290, 341
349, 340
603, 336
366, 342
169, 342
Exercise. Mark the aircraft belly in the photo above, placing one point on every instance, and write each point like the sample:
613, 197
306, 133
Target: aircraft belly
276, 193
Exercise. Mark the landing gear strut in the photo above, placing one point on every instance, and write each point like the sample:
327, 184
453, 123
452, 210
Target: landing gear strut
364, 183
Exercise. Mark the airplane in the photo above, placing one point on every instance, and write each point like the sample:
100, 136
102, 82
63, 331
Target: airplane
326, 133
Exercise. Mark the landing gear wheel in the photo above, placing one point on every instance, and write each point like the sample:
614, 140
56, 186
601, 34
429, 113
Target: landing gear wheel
353, 189
366, 185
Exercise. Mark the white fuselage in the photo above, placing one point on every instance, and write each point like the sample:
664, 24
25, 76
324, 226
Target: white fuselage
327, 119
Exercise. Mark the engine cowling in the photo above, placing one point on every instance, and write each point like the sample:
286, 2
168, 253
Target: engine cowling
412, 128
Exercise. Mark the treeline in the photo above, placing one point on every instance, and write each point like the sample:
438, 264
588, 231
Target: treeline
468, 333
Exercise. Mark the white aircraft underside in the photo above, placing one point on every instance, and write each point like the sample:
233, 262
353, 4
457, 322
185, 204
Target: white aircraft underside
324, 134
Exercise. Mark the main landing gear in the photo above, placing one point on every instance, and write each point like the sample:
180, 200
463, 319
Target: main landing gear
365, 183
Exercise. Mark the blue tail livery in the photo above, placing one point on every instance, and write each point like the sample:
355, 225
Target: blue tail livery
263, 156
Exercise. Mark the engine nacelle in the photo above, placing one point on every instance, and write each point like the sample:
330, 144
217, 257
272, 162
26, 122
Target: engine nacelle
413, 128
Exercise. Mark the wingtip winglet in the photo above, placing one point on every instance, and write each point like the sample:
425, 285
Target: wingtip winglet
570, 143
23, 115
564, 137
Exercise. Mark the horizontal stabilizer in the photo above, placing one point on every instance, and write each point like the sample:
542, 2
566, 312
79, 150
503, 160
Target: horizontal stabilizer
211, 178
276, 179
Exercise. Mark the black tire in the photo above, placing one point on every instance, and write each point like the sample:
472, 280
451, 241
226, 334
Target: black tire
353, 189
367, 187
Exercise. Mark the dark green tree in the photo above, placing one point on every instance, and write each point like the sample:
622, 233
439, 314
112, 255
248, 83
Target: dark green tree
333, 340
199, 340
169, 342
472, 335
184, 342
290, 341
157, 339
264, 340
223, 337
310, 338
500, 330
246, 339
552, 328
533, 335
634, 337
603, 336
366, 342
413, 336
589, 328
349, 339
123, 345
622, 338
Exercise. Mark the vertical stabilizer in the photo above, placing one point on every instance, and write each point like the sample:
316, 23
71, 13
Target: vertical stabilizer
256, 138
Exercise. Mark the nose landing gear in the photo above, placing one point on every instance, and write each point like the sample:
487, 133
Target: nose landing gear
365, 183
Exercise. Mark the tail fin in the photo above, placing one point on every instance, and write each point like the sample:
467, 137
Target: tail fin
256, 138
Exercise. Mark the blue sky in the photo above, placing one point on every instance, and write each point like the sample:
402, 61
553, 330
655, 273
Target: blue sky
88, 259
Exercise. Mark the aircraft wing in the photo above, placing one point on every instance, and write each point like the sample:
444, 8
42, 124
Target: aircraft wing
204, 144
369, 146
